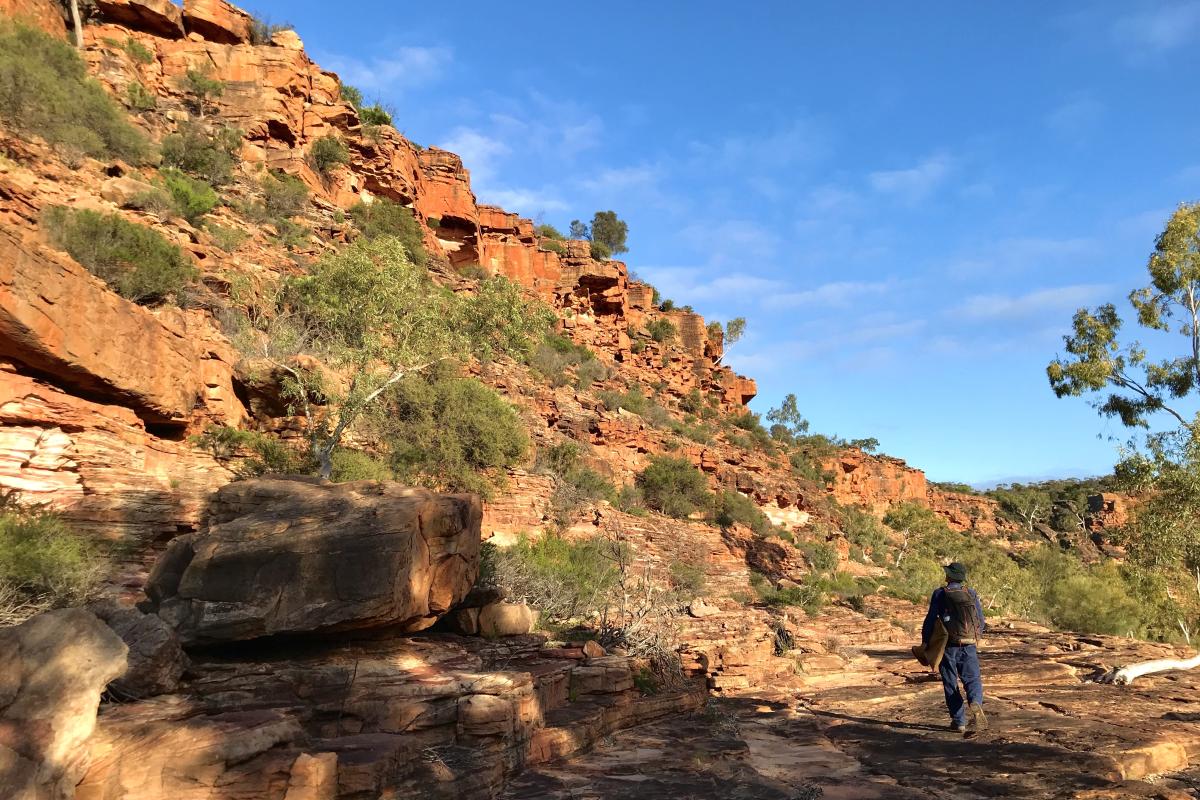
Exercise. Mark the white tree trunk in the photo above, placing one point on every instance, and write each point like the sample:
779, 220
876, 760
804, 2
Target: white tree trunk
1122, 676
77, 24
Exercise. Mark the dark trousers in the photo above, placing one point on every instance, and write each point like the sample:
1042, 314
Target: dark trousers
961, 663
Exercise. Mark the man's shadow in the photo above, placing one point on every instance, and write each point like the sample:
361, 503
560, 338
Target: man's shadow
911, 726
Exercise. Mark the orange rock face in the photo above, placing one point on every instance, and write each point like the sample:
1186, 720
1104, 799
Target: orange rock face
1108, 510
44, 14
217, 21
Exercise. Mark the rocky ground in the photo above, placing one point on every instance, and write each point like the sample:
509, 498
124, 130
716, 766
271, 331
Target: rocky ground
879, 730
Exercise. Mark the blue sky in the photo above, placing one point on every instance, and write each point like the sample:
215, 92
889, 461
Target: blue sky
907, 201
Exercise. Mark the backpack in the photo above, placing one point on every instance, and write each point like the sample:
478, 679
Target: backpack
961, 616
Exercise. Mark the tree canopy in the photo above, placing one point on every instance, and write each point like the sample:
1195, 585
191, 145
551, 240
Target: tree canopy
1099, 361
373, 317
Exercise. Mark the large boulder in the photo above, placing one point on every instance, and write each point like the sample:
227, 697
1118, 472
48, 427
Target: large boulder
156, 661
52, 670
296, 555
160, 17
217, 21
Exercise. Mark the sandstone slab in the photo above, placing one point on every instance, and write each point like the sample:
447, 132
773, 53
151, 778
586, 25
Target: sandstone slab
293, 556
217, 21
52, 670
156, 661
160, 17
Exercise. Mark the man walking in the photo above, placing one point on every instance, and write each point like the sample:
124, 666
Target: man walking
959, 610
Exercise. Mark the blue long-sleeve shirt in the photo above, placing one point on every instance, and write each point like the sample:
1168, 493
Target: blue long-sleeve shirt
937, 608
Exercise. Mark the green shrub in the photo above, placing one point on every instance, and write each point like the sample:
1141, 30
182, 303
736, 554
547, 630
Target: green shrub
731, 508
384, 217
673, 486
1098, 602
284, 196
646, 682
661, 330
565, 580
207, 154
258, 453
449, 432
556, 354
262, 30
630, 500
547, 231
667, 305
292, 235
554, 247
138, 51
43, 564
45, 90
136, 261
192, 198
687, 578
355, 465
807, 595
202, 87
588, 373
632, 400
600, 251
351, 95
228, 239
864, 532
374, 115
326, 154
139, 99
473, 271
821, 556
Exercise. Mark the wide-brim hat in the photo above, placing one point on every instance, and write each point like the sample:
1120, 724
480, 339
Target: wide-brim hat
955, 571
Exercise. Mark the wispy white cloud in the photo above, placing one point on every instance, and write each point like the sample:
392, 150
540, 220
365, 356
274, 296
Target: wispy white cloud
1158, 28
731, 240
981, 307
801, 140
526, 202
1022, 253
698, 284
915, 183
615, 179
401, 68
839, 294
480, 153
1076, 117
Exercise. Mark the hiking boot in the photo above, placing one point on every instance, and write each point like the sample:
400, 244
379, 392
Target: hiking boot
958, 727
978, 722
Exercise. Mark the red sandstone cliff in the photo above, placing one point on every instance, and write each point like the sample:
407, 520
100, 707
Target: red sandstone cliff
99, 425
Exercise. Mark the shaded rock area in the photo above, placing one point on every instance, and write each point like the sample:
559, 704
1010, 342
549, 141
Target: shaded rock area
298, 555
52, 670
436, 716
877, 728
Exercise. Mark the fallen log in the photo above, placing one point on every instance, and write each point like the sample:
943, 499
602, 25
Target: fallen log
1122, 676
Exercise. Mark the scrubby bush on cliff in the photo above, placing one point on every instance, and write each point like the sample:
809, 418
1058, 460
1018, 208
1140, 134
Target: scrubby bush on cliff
384, 217
261, 30
600, 251
547, 231
45, 90
136, 261
576, 484
284, 196
190, 198
327, 154
556, 354
673, 486
553, 246
731, 508
43, 564
567, 581
202, 88
371, 316
661, 330
207, 153
355, 465
139, 98
256, 453
138, 51
449, 432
